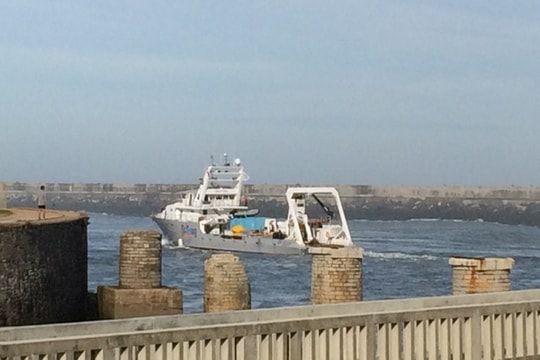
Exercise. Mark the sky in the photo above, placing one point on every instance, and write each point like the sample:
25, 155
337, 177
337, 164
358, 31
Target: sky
316, 92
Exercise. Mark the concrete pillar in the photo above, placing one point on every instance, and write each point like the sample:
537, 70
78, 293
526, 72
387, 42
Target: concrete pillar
336, 275
140, 260
140, 292
3, 196
226, 284
480, 275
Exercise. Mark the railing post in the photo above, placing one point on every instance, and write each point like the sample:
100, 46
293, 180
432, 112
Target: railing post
296, 345
371, 338
476, 335
251, 350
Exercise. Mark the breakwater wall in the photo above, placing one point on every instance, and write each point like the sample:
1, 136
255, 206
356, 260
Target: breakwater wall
511, 204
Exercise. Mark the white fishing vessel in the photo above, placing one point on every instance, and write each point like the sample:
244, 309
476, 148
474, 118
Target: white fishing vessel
215, 217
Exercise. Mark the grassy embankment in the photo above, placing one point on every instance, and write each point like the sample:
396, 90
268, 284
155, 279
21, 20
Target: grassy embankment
4, 212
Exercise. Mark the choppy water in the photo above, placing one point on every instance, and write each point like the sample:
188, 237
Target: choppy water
403, 259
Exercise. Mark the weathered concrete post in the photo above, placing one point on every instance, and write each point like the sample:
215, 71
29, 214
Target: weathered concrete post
140, 292
480, 275
226, 284
336, 275
3, 196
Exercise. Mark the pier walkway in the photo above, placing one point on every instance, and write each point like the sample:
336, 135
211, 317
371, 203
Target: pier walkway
488, 326
27, 215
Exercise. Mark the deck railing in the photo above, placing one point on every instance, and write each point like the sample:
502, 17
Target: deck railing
489, 326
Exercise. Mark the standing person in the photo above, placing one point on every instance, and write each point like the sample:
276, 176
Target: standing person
41, 202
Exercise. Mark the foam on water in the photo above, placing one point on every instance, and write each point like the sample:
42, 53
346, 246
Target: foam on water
398, 255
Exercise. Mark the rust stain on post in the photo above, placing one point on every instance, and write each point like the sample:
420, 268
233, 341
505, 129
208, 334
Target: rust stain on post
480, 275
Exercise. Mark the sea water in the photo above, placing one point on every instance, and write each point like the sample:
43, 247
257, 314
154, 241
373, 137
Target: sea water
402, 259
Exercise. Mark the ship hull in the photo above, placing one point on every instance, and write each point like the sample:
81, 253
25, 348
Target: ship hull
189, 235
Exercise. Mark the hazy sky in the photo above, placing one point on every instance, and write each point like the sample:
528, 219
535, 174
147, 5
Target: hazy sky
362, 92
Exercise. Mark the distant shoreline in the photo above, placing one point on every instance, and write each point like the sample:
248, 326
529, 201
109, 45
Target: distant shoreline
506, 205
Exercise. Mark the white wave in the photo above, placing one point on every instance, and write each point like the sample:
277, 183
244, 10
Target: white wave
398, 255
289, 265
375, 221
416, 220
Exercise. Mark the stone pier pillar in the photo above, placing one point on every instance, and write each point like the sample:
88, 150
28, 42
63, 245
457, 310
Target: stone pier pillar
140, 292
140, 260
336, 275
480, 275
226, 284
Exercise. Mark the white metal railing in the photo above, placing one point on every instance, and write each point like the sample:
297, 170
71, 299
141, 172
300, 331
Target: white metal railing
490, 326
